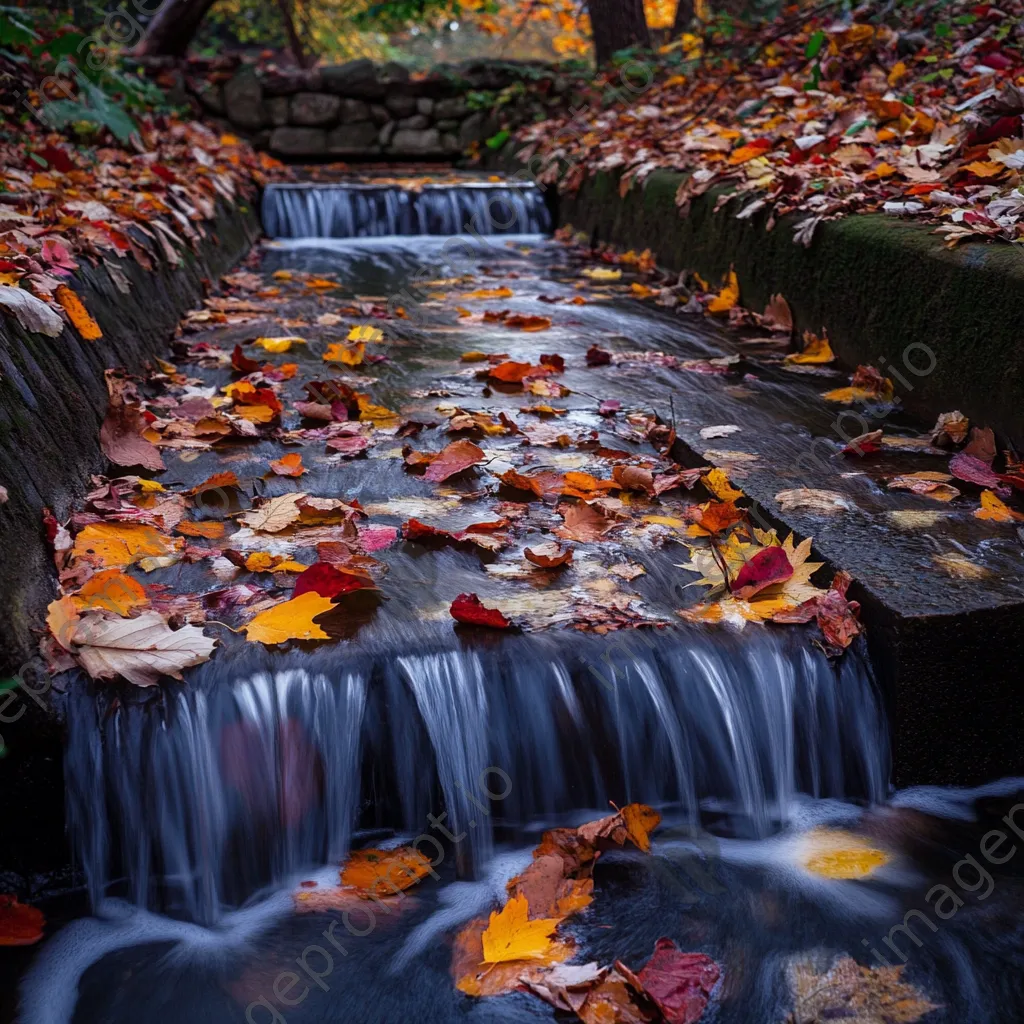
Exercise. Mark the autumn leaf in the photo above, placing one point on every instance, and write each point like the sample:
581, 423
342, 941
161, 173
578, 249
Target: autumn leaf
121, 435
20, 924
455, 458
727, 298
716, 481
994, 508
78, 314
678, 983
277, 346
120, 544
290, 620
769, 566
973, 470
365, 333
384, 872
328, 581
210, 530
511, 935
469, 609
348, 355
490, 293
528, 323
602, 273
816, 351
835, 854
140, 650
288, 465
111, 590
549, 555
274, 514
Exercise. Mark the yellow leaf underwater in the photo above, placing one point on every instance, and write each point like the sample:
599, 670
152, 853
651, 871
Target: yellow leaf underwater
833, 853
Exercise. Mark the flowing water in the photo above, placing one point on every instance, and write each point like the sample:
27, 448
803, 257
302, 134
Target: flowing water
195, 811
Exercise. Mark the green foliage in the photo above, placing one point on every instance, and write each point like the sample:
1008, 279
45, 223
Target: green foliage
93, 106
13, 30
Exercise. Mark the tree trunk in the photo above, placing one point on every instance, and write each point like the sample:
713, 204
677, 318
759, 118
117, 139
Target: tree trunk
617, 25
172, 28
294, 42
683, 19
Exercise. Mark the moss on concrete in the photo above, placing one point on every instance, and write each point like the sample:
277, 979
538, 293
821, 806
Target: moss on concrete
876, 284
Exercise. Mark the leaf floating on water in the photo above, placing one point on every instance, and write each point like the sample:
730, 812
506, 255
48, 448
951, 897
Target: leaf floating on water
994, 508
384, 872
511, 935
469, 609
601, 273
290, 620
678, 983
833, 853
854, 994
960, 567
549, 555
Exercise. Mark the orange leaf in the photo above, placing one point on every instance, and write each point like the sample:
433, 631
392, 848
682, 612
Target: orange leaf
384, 872
78, 314
20, 925
288, 465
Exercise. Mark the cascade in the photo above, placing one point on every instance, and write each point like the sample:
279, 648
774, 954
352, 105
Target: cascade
359, 210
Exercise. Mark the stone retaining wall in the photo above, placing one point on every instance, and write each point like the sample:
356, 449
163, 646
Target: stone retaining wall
364, 112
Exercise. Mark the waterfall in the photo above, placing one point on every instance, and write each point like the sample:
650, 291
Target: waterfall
194, 799
366, 210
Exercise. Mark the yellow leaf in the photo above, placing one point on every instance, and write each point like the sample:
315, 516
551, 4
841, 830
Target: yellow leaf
832, 853
718, 484
365, 333
511, 935
640, 821
255, 413
282, 275
350, 355
847, 396
987, 168
473, 357
994, 508
898, 71
290, 620
278, 345
602, 274
151, 486
120, 544
665, 521
62, 618
816, 350
112, 590
321, 283
490, 293
728, 297
378, 414
78, 314
384, 872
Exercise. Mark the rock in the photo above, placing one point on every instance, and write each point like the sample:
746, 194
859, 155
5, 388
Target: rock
386, 133
408, 142
452, 108
290, 141
243, 100
357, 78
478, 127
314, 109
416, 122
425, 105
447, 126
353, 139
380, 114
354, 110
285, 82
277, 110
401, 106
393, 73
212, 98
450, 144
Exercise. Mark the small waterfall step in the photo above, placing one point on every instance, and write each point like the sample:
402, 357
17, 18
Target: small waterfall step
368, 210
196, 801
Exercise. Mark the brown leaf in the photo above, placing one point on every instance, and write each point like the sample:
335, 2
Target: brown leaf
121, 434
549, 555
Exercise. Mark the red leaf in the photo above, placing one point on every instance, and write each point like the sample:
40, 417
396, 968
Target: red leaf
376, 538
327, 581
242, 363
766, 567
555, 361
973, 470
513, 373
455, 458
348, 446
597, 356
469, 609
609, 407
20, 925
679, 983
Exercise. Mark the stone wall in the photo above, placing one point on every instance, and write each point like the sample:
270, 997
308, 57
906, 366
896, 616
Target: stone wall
364, 112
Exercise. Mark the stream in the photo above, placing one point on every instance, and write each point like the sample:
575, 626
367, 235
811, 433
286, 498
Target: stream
197, 810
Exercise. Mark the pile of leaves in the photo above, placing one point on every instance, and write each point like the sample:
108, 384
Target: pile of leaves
82, 180
911, 109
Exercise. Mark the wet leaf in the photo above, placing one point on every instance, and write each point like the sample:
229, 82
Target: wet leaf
716, 481
816, 351
549, 555
328, 581
768, 566
384, 872
601, 273
290, 620
511, 935
111, 590
34, 315
973, 470
490, 293
808, 499
277, 346
455, 458
833, 853
288, 465
20, 924
78, 314
994, 508
120, 544
727, 298
274, 514
469, 609
678, 983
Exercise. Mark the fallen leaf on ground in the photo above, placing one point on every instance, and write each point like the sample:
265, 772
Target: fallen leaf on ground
365, 333
769, 566
275, 514
78, 314
277, 346
489, 293
455, 458
816, 351
994, 508
113, 591
290, 620
634, 823
601, 273
924, 485
123, 426
973, 470
950, 428
728, 297
778, 316
716, 481
960, 567
708, 433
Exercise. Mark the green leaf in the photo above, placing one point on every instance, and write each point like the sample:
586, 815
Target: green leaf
942, 31
61, 46
499, 140
814, 45
966, 19
13, 31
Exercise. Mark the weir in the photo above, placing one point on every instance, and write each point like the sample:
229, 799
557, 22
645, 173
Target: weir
367, 210
193, 803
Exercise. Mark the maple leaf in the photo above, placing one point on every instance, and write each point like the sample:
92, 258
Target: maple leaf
455, 458
290, 620
677, 983
121, 435
994, 508
329, 581
288, 465
469, 609
816, 351
111, 590
728, 297
511, 935
140, 650
121, 544
833, 853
